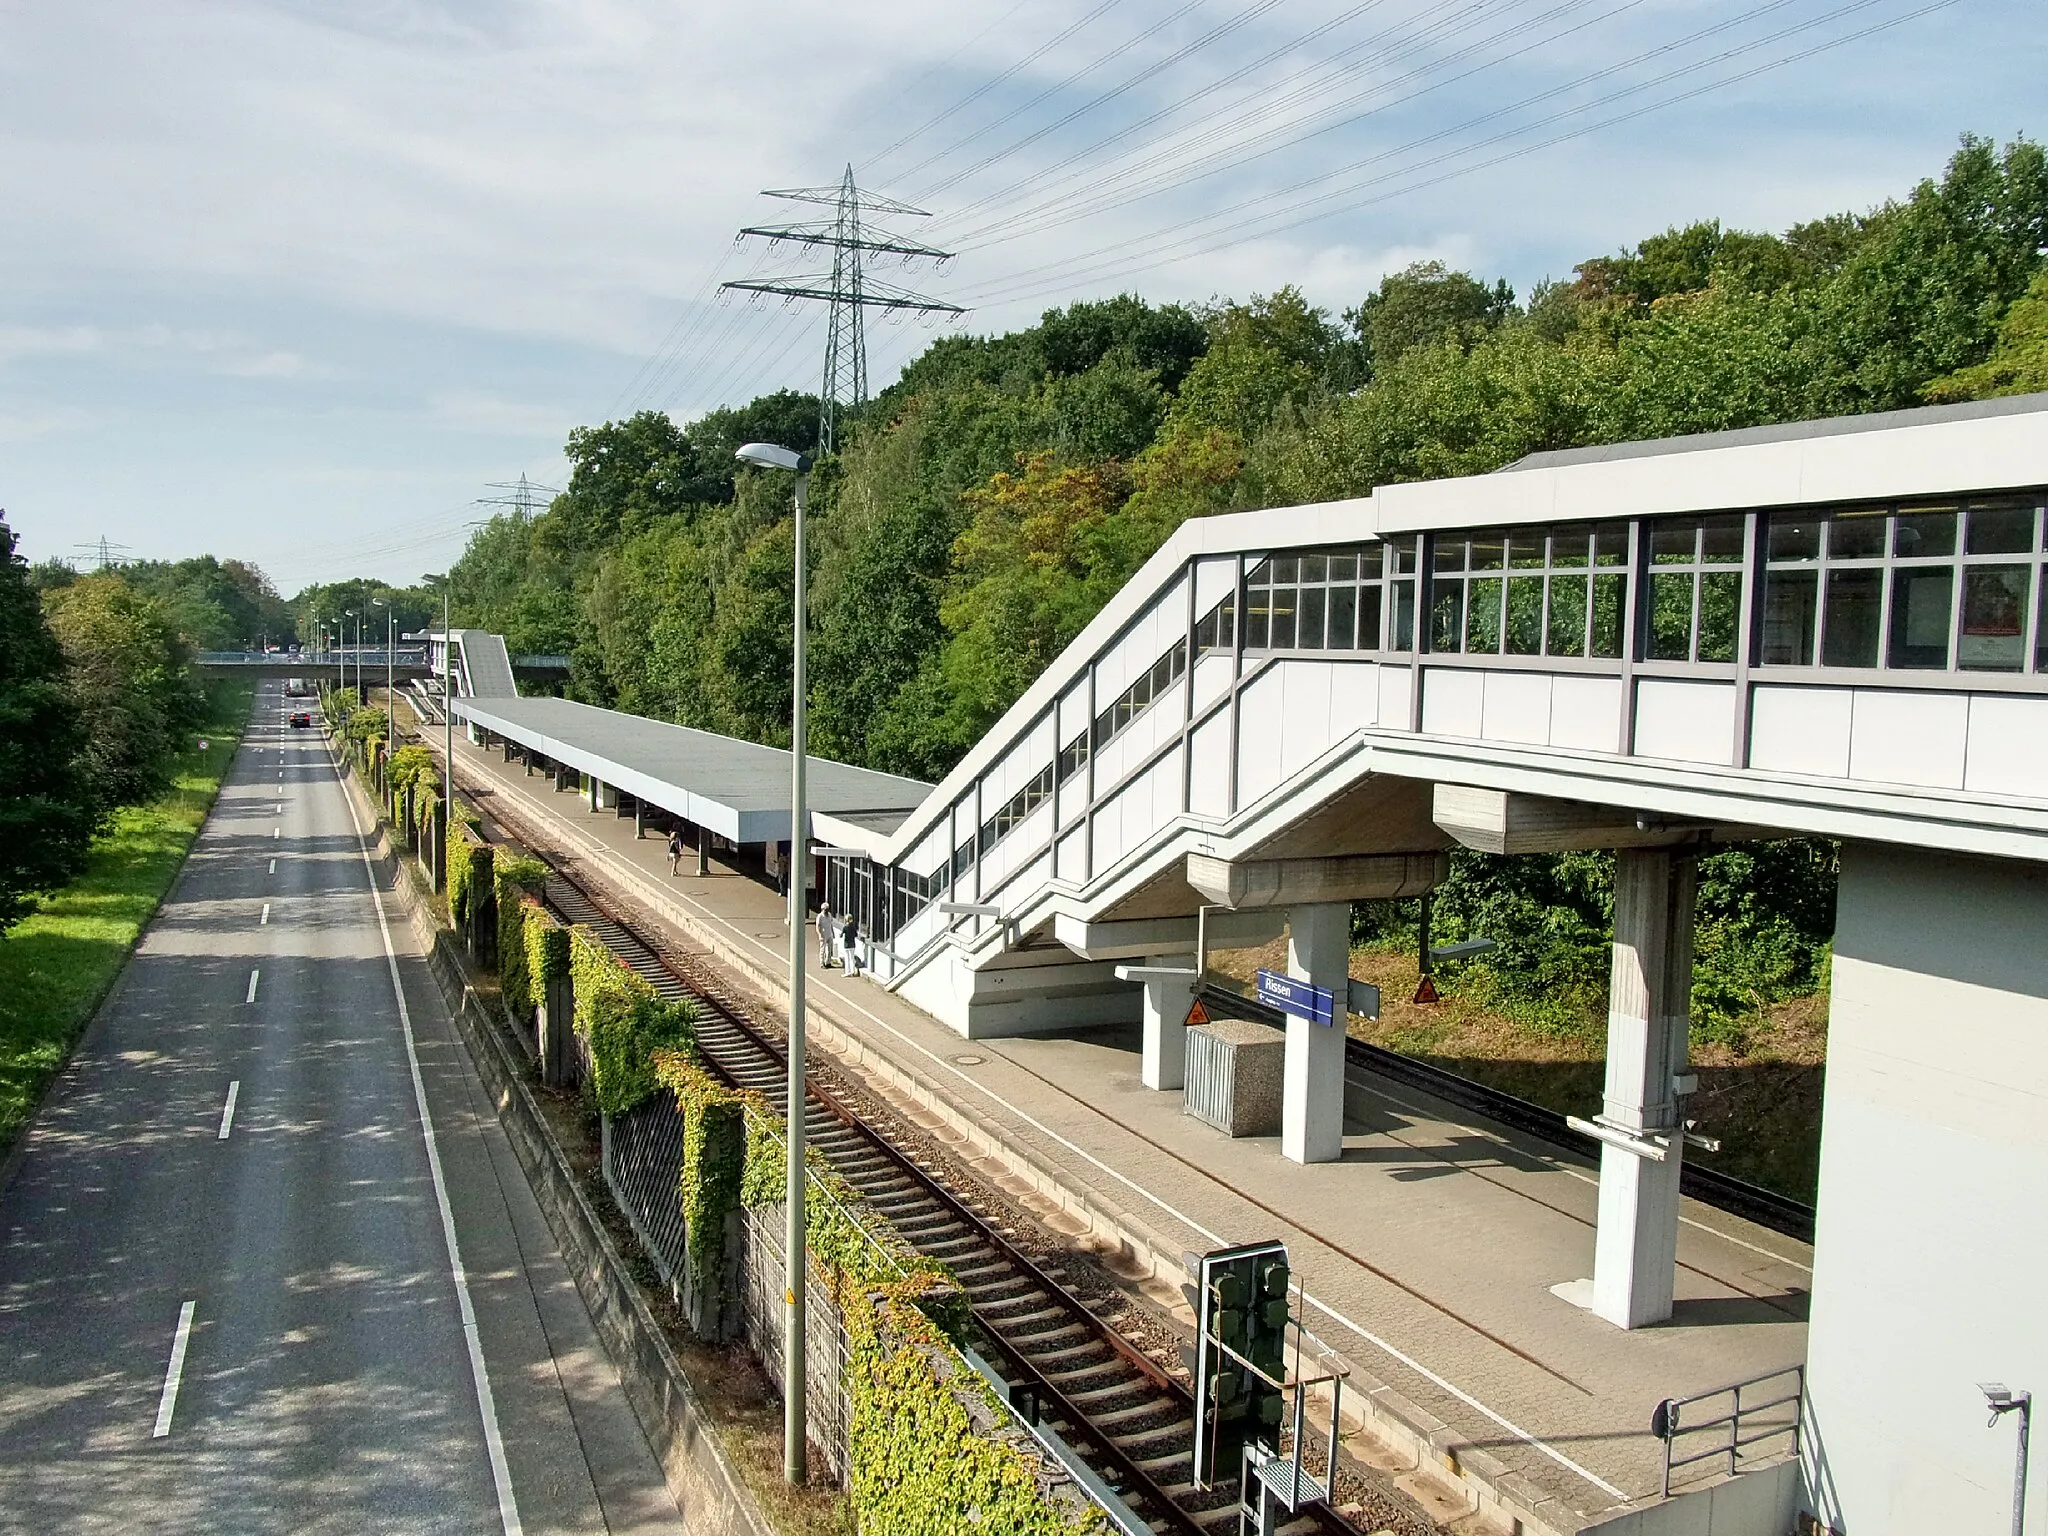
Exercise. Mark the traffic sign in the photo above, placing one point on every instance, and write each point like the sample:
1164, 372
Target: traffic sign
1292, 995
1197, 1014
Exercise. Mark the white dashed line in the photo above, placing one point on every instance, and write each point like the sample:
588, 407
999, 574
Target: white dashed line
265, 918
174, 1373
252, 987
227, 1112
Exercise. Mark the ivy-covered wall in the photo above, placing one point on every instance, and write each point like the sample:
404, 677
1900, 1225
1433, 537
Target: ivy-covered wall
519, 883
932, 1450
623, 1022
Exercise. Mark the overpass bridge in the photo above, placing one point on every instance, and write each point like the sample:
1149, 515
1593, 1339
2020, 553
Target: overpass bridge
1829, 628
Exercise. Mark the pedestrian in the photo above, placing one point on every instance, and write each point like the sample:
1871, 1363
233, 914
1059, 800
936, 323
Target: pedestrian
849, 941
675, 850
826, 928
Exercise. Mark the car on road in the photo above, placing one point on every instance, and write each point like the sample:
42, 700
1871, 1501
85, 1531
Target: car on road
301, 721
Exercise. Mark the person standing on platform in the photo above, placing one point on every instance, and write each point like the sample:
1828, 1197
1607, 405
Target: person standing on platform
826, 928
675, 850
849, 940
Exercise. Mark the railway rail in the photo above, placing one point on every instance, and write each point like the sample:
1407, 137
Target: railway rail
1129, 1418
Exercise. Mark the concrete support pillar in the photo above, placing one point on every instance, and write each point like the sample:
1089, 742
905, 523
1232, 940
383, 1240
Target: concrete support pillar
1169, 982
1312, 1089
1636, 1249
703, 852
639, 818
594, 790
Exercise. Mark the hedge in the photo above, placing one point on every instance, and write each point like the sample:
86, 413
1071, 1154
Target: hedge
469, 871
623, 1021
519, 882
409, 763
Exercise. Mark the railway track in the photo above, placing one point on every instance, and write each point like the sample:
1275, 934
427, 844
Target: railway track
1129, 1419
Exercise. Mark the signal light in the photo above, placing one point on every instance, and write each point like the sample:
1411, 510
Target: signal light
1242, 1311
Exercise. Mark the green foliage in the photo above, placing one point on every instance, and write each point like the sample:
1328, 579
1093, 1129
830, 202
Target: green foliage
1427, 305
48, 805
129, 673
469, 874
519, 882
715, 1160
545, 943
2018, 364
622, 1020
411, 764
217, 605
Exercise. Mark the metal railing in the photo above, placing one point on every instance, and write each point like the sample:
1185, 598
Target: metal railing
1737, 1420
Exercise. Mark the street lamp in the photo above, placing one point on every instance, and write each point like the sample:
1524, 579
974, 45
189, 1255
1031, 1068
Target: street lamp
2002, 1401
795, 1429
447, 714
390, 710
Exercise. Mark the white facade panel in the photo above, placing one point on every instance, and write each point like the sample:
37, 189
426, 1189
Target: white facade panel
1453, 701
1073, 711
1212, 678
1396, 680
1516, 707
1585, 712
1214, 581
1933, 1177
1072, 856
1209, 767
1908, 738
1258, 736
2008, 746
1354, 697
930, 855
1800, 730
1685, 722
1307, 721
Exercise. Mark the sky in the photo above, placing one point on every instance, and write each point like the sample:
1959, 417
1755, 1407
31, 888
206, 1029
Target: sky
308, 282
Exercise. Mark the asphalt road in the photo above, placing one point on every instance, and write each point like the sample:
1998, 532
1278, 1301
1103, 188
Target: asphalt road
252, 1322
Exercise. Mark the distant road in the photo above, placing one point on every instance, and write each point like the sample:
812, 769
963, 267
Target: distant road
227, 1300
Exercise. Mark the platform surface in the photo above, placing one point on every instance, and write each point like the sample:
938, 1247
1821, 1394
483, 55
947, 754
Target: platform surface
1430, 1250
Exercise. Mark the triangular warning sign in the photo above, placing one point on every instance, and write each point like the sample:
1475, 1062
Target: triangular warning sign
1197, 1014
1426, 993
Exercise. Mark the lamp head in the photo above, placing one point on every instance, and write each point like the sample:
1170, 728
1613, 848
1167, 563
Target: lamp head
773, 456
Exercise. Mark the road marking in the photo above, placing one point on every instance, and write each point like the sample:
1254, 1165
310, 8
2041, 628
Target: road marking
265, 918
494, 1441
252, 987
174, 1373
273, 866
604, 854
277, 831
227, 1112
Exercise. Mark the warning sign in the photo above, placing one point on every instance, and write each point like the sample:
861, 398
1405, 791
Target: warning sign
1426, 993
1197, 1014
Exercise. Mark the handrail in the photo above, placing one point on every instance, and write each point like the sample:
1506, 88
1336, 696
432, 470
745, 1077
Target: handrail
1667, 1422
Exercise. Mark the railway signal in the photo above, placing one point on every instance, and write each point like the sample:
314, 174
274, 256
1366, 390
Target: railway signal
1242, 1313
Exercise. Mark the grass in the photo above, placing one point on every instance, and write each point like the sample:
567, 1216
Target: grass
1763, 1102
58, 964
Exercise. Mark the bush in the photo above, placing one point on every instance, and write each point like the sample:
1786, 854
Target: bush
410, 764
518, 883
469, 872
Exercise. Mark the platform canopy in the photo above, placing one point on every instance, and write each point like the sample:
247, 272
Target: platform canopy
738, 789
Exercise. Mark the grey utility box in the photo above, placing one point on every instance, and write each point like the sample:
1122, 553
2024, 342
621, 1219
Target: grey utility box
1234, 1068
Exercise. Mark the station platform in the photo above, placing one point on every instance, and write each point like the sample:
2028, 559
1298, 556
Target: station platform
1430, 1252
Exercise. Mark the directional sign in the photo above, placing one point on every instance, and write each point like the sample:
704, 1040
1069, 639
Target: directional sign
1290, 994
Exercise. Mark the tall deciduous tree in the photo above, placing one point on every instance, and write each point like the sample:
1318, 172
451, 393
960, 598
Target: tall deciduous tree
129, 674
47, 810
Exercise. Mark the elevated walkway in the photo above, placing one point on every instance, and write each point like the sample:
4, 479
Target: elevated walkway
1430, 1244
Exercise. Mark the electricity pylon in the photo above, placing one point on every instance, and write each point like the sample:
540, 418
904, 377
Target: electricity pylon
521, 495
848, 289
104, 548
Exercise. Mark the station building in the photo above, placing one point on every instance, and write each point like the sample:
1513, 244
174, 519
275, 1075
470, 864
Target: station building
1828, 628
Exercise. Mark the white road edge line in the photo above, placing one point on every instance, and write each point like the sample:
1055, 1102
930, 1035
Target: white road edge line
600, 851
253, 975
227, 1111
174, 1373
494, 1441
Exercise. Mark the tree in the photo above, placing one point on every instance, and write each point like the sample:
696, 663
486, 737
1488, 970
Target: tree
2018, 364
1424, 305
47, 810
128, 672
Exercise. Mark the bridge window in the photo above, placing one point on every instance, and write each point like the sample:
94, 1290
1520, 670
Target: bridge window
1015, 809
1695, 588
1530, 591
1920, 586
1137, 698
1322, 600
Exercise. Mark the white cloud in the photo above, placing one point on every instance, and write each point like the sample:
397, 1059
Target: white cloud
18, 426
465, 411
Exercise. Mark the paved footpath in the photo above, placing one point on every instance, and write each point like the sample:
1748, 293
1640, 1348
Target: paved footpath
229, 1296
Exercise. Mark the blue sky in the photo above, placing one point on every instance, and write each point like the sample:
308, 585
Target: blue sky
294, 281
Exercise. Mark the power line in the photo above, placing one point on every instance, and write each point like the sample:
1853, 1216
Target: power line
847, 290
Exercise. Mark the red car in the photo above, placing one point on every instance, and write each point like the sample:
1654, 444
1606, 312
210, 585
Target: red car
301, 721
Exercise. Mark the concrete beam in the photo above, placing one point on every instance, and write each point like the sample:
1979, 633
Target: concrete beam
1291, 882
1137, 938
1502, 821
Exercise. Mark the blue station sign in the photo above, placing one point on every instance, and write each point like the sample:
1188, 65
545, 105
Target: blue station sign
1292, 995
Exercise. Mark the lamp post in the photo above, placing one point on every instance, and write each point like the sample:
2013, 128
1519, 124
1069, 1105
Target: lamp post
447, 714
390, 710
2002, 1401
795, 1429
